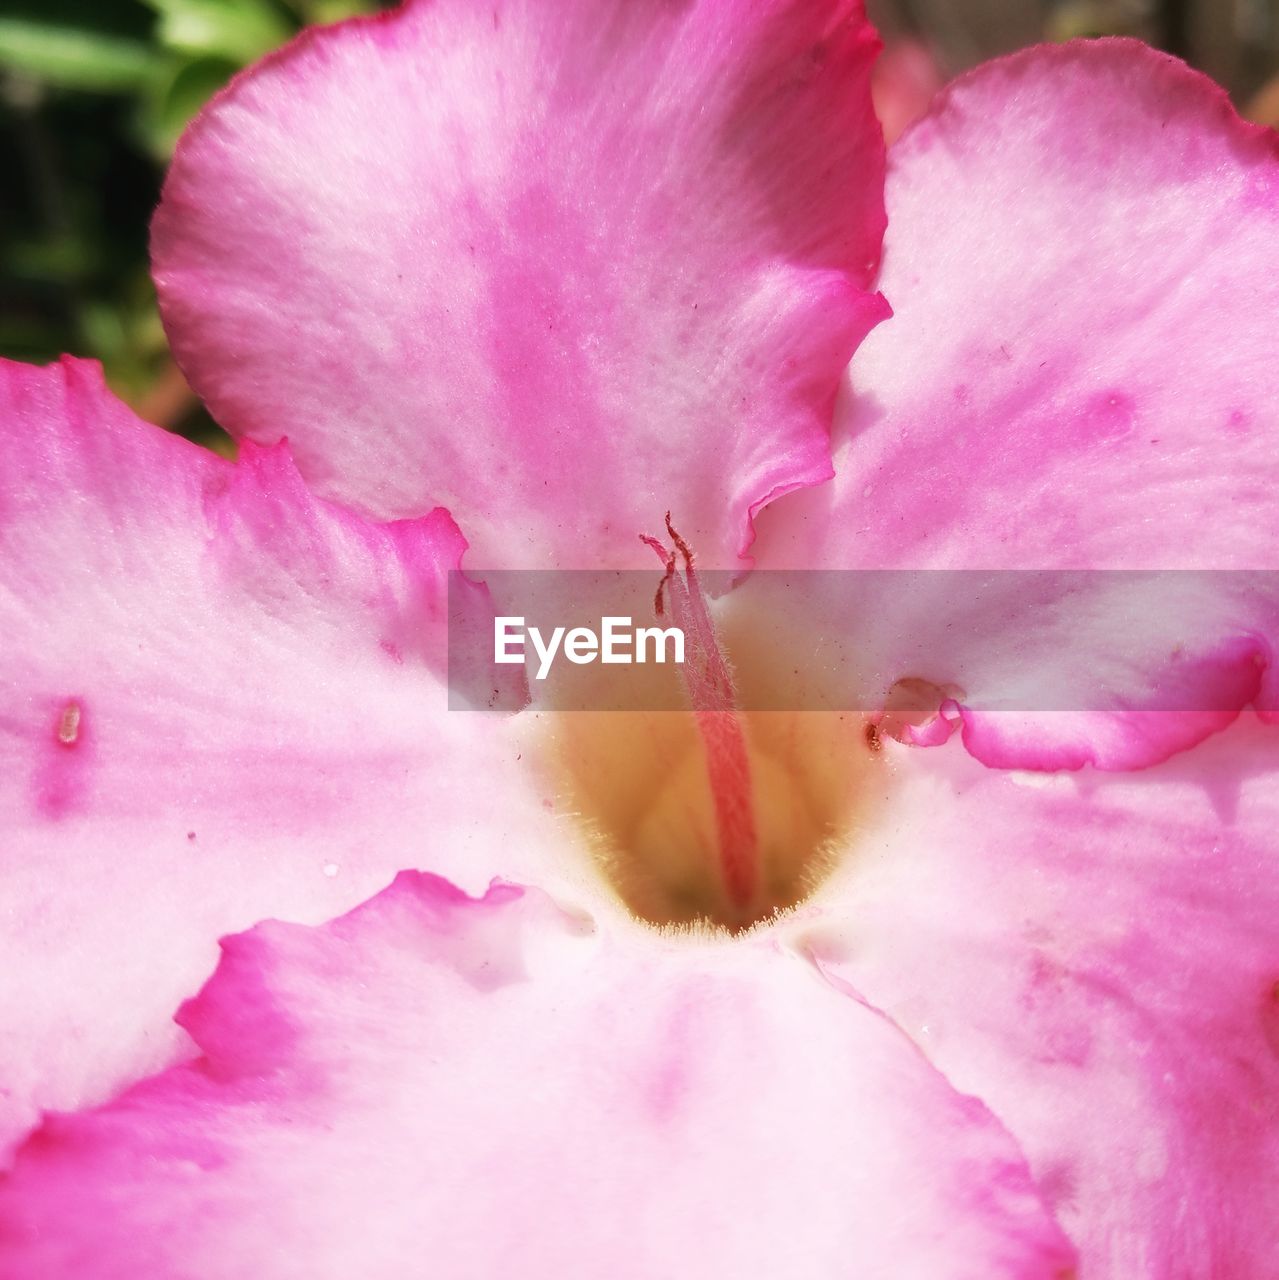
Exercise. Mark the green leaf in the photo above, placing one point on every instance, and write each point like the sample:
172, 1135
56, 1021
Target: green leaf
331, 10
75, 57
173, 101
241, 30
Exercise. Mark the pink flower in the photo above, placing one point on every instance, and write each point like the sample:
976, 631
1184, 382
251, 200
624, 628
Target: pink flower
560, 267
905, 80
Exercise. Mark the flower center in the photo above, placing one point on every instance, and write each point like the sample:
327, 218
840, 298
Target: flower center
713, 814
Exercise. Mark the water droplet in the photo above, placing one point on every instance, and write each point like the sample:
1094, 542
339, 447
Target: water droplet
331, 869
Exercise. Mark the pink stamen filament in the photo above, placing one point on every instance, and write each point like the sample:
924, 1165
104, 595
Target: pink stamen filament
713, 698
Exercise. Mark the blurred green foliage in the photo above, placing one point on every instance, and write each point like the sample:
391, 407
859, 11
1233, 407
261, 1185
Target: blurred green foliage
93, 97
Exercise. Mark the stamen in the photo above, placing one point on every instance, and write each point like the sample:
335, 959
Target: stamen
708, 681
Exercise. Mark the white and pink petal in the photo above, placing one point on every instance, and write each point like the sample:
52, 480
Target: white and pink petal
1096, 958
1082, 255
492, 1087
558, 265
220, 700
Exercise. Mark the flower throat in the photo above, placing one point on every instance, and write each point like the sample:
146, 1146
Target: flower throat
716, 815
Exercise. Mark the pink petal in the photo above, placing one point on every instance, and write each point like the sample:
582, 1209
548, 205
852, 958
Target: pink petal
219, 700
559, 265
904, 83
1083, 251
1097, 959
489, 1087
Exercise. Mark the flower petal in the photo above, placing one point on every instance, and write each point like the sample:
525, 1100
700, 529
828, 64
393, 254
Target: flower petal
559, 265
491, 1088
1096, 958
1083, 252
907, 78
219, 700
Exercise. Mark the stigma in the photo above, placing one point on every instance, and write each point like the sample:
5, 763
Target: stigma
712, 697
